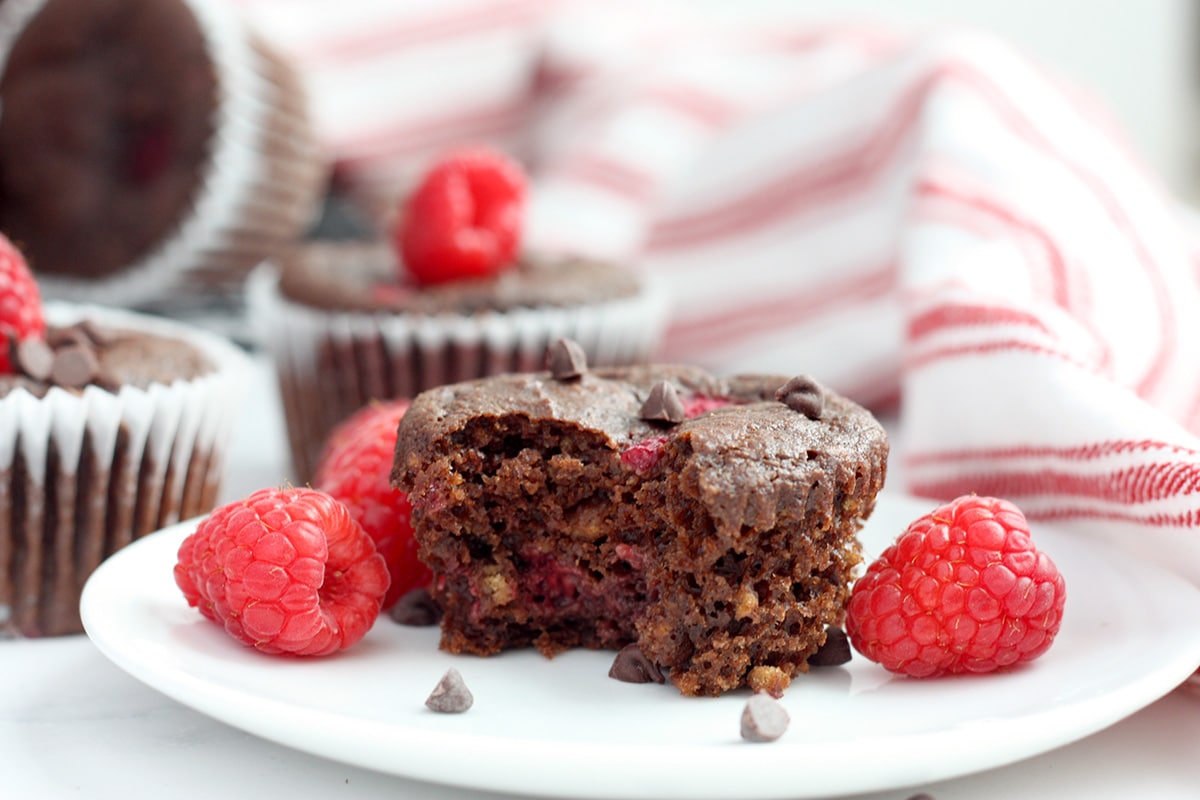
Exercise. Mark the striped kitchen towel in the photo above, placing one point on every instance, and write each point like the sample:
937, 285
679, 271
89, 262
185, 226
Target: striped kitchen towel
927, 221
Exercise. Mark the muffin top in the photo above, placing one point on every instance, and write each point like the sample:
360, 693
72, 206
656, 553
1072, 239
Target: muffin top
107, 124
364, 276
86, 354
756, 444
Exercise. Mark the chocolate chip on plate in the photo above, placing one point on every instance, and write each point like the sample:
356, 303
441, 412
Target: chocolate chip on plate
451, 695
803, 395
835, 650
632, 666
763, 719
663, 404
566, 360
416, 608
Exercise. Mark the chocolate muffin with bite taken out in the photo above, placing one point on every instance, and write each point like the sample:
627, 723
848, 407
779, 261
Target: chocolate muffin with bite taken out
708, 521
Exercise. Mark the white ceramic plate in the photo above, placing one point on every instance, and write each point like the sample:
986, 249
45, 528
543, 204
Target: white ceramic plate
563, 728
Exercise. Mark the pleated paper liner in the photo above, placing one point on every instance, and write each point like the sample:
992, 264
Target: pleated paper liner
262, 185
82, 474
330, 364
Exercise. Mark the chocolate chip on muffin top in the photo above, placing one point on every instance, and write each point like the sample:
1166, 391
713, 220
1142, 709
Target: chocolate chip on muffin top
75, 356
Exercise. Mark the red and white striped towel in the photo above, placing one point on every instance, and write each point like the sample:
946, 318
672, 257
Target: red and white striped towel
928, 220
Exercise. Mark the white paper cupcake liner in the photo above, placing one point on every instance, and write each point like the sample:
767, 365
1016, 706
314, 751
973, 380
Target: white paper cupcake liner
83, 474
263, 184
330, 364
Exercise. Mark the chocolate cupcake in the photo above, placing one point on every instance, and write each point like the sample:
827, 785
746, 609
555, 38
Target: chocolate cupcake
448, 299
151, 151
344, 328
111, 426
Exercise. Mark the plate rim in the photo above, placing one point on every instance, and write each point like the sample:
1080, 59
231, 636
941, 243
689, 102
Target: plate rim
1049, 728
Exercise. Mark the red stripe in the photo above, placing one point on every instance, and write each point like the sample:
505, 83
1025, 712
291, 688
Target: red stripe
870, 40
406, 137
1031, 255
779, 310
605, 173
1145, 483
1086, 452
389, 36
1037, 269
703, 107
1066, 512
857, 166
970, 315
1008, 216
924, 357
1186, 519
840, 173
1112, 205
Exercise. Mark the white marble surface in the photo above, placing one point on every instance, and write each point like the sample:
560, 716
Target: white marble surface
72, 725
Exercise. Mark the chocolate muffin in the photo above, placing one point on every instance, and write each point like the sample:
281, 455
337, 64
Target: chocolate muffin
345, 326
151, 151
113, 427
711, 522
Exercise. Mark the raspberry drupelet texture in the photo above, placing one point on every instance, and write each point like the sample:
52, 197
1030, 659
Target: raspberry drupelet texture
285, 571
963, 589
21, 314
464, 219
355, 468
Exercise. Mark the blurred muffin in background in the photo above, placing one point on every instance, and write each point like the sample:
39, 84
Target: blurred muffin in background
151, 151
350, 321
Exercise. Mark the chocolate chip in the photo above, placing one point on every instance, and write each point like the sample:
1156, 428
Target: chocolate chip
108, 381
74, 367
921, 796
96, 333
70, 335
451, 695
33, 358
804, 395
632, 666
416, 608
763, 719
835, 650
663, 404
566, 360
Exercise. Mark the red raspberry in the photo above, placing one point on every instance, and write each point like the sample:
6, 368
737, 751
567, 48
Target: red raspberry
20, 302
644, 455
355, 467
963, 589
464, 220
285, 571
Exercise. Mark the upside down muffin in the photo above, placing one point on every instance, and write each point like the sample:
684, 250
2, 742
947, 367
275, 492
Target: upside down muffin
151, 151
710, 521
